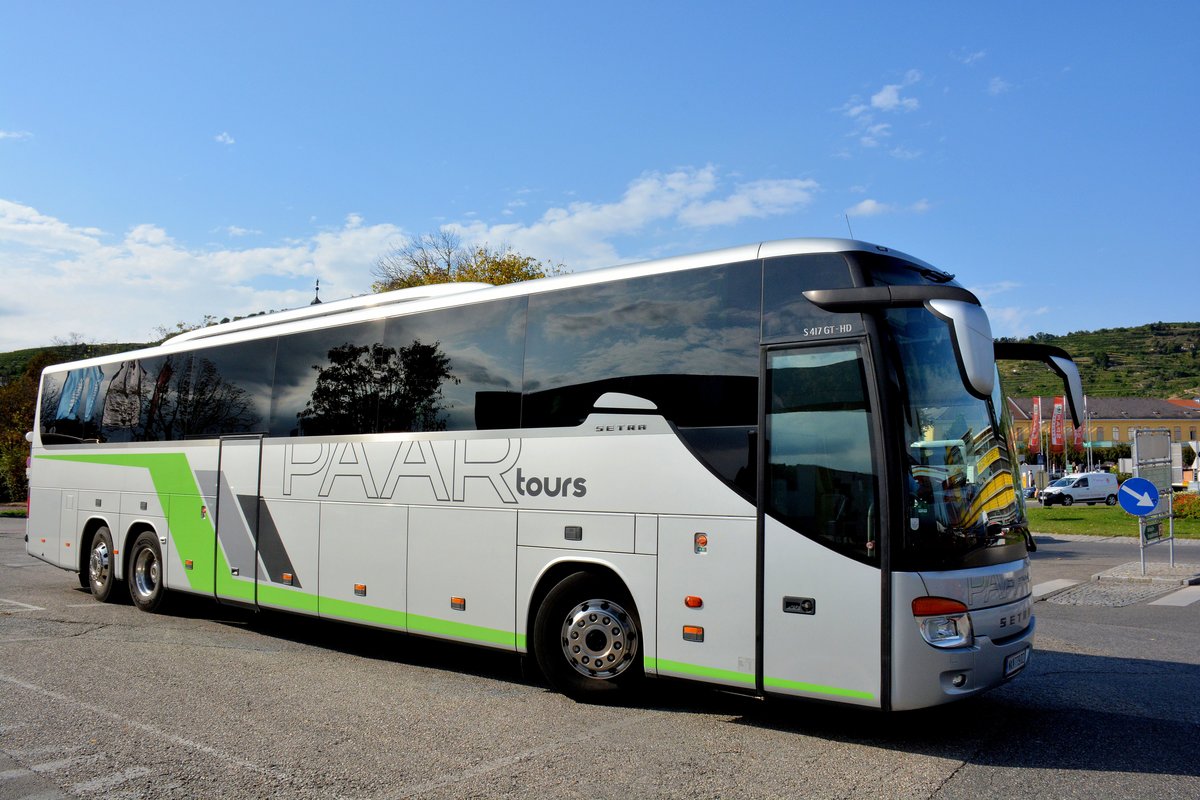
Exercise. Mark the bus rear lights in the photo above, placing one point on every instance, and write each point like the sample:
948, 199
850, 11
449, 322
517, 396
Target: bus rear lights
287, 578
701, 543
943, 622
458, 603
360, 590
188, 564
693, 633
692, 601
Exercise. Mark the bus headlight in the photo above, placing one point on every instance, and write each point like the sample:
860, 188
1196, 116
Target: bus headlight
943, 622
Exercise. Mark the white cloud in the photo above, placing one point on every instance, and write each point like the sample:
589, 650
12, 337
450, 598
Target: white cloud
888, 99
224, 138
582, 233
873, 134
237, 230
869, 208
873, 208
15, 135
1017, 320
22, 225
998, 86
123, 288
756, 199
968, 57
893, 98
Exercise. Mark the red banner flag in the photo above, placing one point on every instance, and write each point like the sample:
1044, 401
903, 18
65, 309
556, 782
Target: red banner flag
1035, 426
1057, 436
1079, 438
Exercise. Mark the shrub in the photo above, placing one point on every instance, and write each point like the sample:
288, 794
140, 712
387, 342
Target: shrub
1187, 506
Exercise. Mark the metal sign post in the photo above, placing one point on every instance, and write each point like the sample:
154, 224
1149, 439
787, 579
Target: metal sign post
1142, 495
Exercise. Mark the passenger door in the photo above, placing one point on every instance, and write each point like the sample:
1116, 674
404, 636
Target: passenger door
821, 605
238, 493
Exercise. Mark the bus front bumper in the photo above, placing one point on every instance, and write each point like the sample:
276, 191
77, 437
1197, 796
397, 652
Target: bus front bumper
923, 675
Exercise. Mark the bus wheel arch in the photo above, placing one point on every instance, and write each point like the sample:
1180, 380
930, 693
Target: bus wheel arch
144, 572
586, 633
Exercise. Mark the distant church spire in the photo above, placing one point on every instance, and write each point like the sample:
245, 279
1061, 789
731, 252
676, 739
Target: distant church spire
317, 298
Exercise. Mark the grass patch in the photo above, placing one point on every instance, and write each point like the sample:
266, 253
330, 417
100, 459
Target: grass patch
1097, 521
19, 513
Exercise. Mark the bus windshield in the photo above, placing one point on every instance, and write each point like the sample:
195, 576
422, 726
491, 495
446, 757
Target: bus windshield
961, 506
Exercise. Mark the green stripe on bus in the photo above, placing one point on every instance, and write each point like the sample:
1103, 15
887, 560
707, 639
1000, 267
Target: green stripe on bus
460, 630
359, 612
730, 676
712, 673
816, 688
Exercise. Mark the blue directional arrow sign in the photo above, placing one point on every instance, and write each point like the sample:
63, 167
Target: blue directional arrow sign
1138, 496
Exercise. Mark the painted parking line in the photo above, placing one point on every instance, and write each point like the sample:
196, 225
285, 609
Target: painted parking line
1184, 597
1050, 587
4, 606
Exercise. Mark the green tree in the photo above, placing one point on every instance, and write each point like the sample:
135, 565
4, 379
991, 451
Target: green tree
441, 257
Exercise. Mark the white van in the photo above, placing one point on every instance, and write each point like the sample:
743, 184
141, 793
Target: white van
1085, 487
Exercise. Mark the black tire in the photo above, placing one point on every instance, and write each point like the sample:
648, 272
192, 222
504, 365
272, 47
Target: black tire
587, 639
1111, 500
101, 566
1068, 500
145, 574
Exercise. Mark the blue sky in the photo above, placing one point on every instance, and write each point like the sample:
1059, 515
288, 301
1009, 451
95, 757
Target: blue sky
163, 162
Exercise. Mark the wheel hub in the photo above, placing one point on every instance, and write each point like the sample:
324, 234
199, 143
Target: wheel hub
145, 573
599, 639
98, 565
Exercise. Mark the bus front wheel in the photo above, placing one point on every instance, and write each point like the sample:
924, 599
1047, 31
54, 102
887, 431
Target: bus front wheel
587, 639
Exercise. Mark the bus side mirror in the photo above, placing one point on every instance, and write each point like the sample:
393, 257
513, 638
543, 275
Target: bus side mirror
1058, 360
973, 344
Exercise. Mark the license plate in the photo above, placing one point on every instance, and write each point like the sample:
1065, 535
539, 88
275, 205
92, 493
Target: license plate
1016, 662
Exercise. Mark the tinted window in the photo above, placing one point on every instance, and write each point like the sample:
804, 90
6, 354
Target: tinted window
820, 471
328, 381
880, 269
105, 403
460, 368
687, 341
228, 389
786, 314
69, 400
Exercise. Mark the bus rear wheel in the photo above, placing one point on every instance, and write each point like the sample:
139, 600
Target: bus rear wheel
145, 572
586, 639
100, 565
